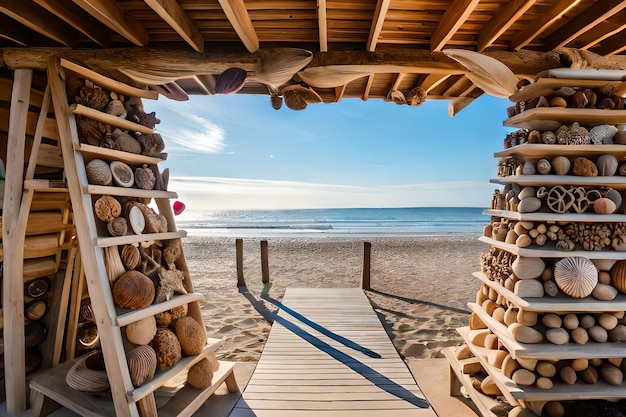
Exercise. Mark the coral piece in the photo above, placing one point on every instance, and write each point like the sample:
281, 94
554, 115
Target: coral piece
576, 276
92, 97
142, 331
142, 363
151, 144
230, 81
98, 172
133, 290
151, 262
559, 199
191, 335
145, 178
170, 283
107, 208
584, 167
117, 226
130, 256
602, 134
171, 254
167, 348
415, 96
572, 135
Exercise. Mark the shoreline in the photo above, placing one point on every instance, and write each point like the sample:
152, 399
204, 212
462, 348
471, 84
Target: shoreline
420, 284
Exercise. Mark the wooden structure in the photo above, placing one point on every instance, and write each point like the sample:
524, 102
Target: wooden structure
328, 355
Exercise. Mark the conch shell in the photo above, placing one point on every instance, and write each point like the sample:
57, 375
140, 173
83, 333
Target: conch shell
133, 290
576, 276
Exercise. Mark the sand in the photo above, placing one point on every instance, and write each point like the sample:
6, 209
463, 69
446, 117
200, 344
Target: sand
420, 285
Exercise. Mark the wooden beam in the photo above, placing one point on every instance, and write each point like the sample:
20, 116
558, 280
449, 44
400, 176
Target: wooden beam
322, 25
397, 81
541, 23
433, 80
39, 20
452, 20
382, 6
612, 45
237, 14
592, 16
598, 34
13, 31
368, 87
76, 17
13, 234
177, 18
110, 13
501, 22
339, 92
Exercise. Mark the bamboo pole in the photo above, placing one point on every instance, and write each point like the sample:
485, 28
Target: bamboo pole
265, 270
241, 282
365, 275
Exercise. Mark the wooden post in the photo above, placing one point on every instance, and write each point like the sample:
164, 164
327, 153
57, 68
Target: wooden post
365, 275
265, 270
241, 282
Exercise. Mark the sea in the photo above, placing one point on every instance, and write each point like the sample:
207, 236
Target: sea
335, 222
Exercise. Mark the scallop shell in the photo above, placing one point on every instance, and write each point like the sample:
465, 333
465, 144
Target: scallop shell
122, 174
561, 165
576, 276
142, 363
528, 268
618, 276
191, 335
131, 256
607, 165
141, 332
107, 208
98, 172
167, 348
133, 290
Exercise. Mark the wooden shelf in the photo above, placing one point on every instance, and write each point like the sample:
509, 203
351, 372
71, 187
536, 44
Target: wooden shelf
533, 152
543, 117
559, 304
560, 391
108, 83
131, 316
547, 350
129, 192
92, 152
547, 86
556, 217
108, 119
43, 186
104, 242
549, 251
616, 182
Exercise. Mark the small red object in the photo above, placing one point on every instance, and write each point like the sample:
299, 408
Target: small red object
178, 207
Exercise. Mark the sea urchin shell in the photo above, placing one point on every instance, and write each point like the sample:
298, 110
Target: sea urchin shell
576, 276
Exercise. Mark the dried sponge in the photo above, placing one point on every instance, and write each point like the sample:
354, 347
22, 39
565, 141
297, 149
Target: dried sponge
190, 335
200, 375
167, 348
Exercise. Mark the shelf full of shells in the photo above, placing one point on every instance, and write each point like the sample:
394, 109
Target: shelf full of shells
549, 321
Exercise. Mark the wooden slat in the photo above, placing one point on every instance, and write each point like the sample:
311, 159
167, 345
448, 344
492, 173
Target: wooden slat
110, 13
502, 21
322, 25
177, 18
382, 6
328, 354
109, 119
237, 14
452, 20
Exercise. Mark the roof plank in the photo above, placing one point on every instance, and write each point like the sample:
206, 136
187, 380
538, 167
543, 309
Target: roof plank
322, 24
368, 87
545, 20
597, 34
501, 22
177, 18
13, 31
382, 6
39, 20
110, 13
238, 16
612, 45
452, 20
584, 21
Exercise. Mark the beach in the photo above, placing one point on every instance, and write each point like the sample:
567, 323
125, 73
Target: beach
420, 284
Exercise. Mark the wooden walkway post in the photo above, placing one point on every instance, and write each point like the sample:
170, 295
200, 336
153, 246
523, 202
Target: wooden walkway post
365, 275
265, 271
241, 282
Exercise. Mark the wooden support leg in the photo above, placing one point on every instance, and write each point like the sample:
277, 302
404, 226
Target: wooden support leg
231, 382
241, 282
41, 405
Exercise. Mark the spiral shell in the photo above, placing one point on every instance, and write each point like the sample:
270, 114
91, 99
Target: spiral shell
618, 276
142, 363
133, 290
117, 226
131, 256
142, 331
576, 276
528, 268
544, 167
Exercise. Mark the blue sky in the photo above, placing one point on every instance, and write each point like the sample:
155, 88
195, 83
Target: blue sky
237, 152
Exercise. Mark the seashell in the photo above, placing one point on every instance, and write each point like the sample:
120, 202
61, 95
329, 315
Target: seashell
294, 100
543, 166
142, 363
167, 348
529, 205
107, 208
98, 172
171, 254
231, 81
136, 220
576, 276
170, 283
133, 290
414, 97
130, 256
125, 142
122, 174
584, 167
526, 288
614, 196
602, 134
604, 206
115, 106
191, 335
618, 276
141, 332
92, 97
145, 178
548, 137
117, 226
550, 288
528, 268
528, 168
200, 375
604, 292
607, 165
561, 165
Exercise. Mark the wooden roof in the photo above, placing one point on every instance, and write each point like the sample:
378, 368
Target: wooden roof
406, 35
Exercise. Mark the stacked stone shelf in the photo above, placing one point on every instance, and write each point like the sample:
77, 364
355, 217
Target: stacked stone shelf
547, 86
555, 217
548, 251
616, 182
549, 118
533, 152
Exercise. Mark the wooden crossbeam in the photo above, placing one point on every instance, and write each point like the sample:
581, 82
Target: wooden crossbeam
433, 80
501, 22
339, 92
177, 18
322, 25
110, 13
543, 22
368, 87
452, 20
13, 31
239, 18
598, 34
382, 6
612, 45
595, 14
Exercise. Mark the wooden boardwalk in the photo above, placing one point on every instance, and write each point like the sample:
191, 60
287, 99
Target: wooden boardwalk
328, 355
